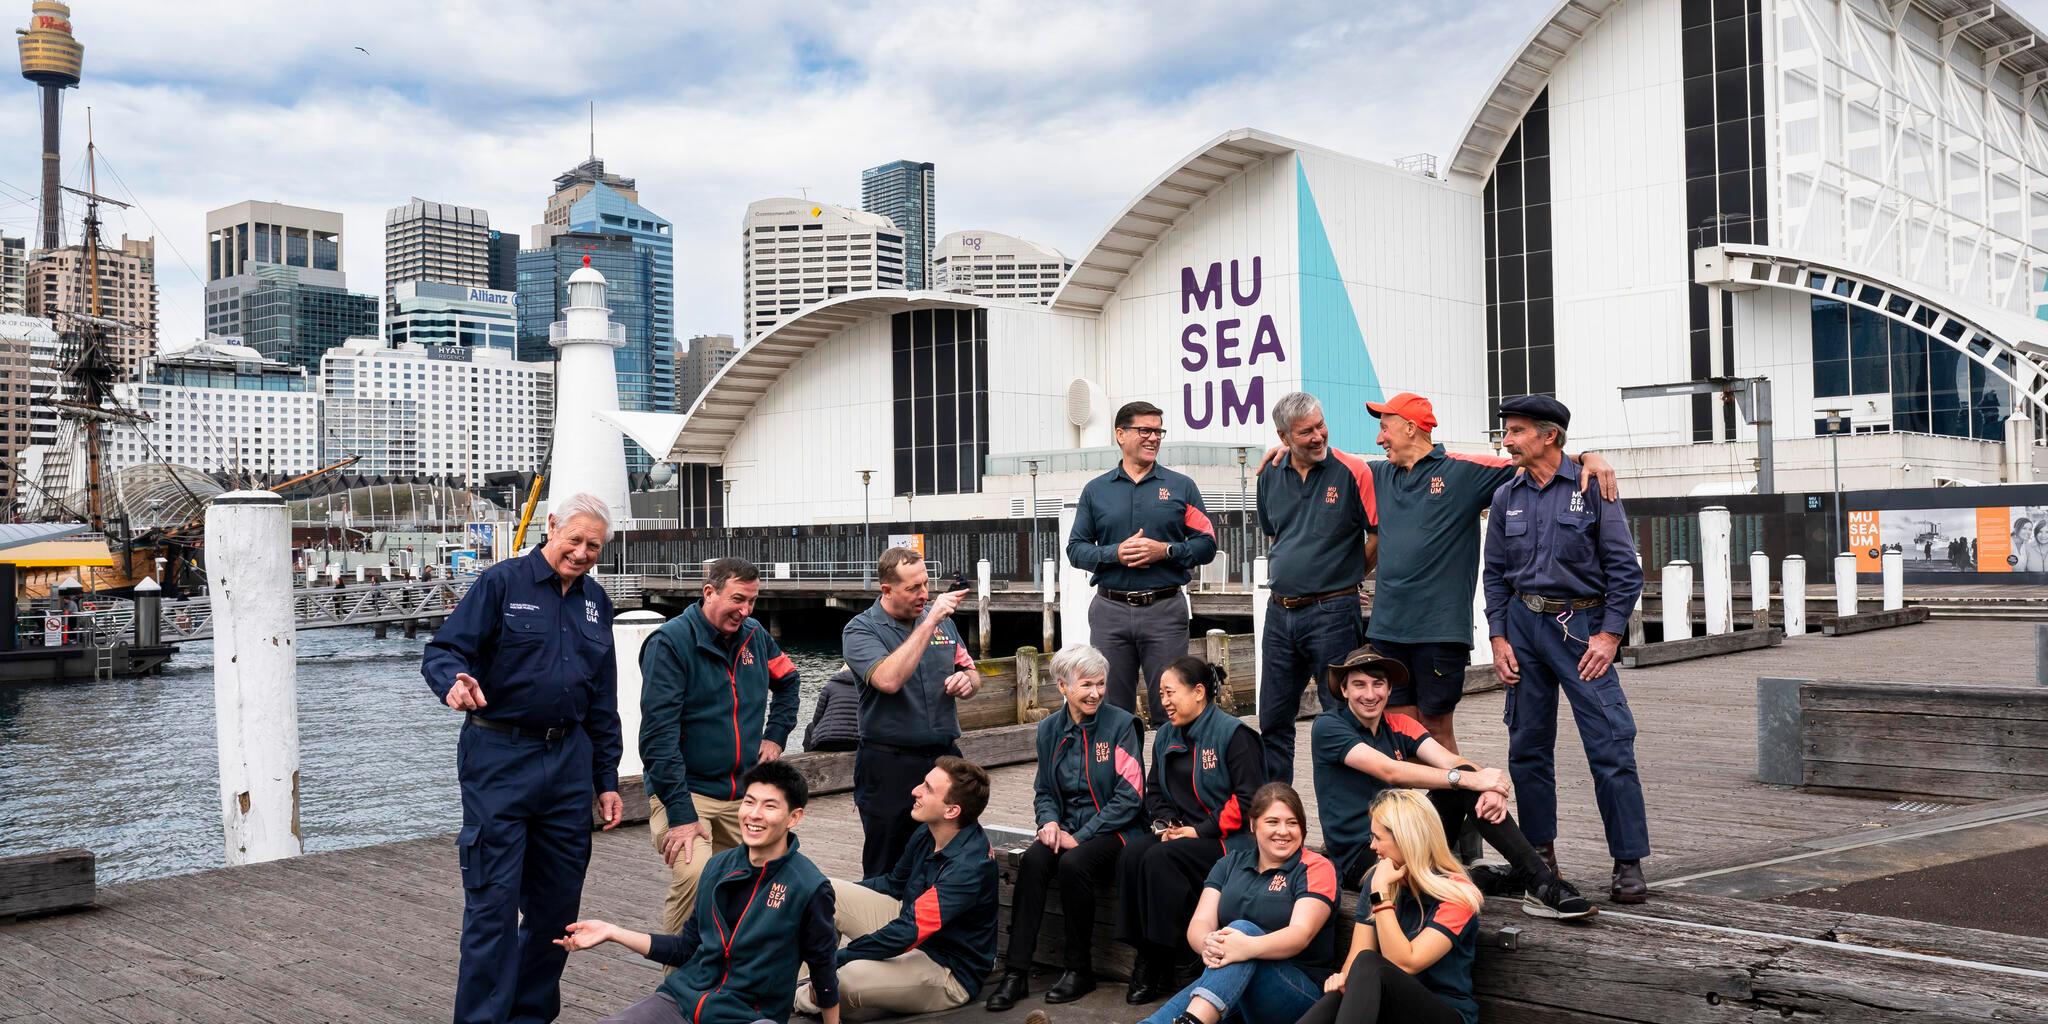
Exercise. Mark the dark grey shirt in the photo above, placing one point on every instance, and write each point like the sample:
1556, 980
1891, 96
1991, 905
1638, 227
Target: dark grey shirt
920, 714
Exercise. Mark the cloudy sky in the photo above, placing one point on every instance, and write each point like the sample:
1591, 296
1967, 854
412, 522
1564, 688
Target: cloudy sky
1043, 117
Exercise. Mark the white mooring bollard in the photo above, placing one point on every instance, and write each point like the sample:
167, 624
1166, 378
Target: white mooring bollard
1048, 570
1794, 586
255, 675
1073, 586
982, 623
1845, 584
1759, 588
1678, 601
1894, 580
630, 631
1715, 569
1482, 631
1262, 592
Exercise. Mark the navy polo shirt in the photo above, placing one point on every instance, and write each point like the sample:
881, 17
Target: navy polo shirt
1318, 523
1165, 504
1344, 795
1429, 545
1560, 541
543, 657
921, 714
1267, 898
1450, 978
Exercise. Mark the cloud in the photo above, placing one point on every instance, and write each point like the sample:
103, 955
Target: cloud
1043, 118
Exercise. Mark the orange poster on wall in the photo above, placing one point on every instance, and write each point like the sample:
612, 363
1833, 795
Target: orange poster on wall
1994, 540
1863, 541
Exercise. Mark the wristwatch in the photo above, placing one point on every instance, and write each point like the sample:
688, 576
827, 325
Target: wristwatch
1453, 776
1374, 899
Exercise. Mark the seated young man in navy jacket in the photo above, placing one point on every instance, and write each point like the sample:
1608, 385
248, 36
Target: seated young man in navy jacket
924, 935
762, 910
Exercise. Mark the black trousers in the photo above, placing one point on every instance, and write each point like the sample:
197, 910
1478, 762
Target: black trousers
1375, 991
1082, 872
882, 781
1458, 806
1157, 887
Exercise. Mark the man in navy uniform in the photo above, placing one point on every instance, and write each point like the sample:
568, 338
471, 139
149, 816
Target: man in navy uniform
1141, 532
527, 655
1561, 580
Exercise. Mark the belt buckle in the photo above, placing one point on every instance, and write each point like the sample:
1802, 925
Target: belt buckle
1137, 598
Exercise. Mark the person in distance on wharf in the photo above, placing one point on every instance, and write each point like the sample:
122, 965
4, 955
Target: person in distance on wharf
1088, 798
1140, 531
1205, 769
1561, 580
1361, 749
1417, 927
1265, 928
527, 656
923, 936
763, 911
912, 667
717, 697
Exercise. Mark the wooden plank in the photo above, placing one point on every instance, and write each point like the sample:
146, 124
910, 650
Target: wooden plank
1670, 651
46, 883
1892, 727
1941, 700
1864, 622
2016, 951
1934, 782
1928, 749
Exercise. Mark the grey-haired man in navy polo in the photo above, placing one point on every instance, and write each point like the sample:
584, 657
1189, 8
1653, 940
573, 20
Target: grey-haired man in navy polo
1141, 531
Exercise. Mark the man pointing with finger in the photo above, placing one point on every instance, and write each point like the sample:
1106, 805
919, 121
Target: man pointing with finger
912, 667
527, 655
1141, 531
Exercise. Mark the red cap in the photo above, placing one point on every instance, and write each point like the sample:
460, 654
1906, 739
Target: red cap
1409, 406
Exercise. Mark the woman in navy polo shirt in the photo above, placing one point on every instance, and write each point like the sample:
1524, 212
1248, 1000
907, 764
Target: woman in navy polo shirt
1205, 768
1269, 962
1418, 927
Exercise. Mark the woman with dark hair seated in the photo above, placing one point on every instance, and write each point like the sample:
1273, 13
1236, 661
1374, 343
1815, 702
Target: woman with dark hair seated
1417, 930
1089, 795
1269, 961
1205, 768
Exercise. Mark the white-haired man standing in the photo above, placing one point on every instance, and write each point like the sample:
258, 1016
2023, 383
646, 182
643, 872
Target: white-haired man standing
527, 656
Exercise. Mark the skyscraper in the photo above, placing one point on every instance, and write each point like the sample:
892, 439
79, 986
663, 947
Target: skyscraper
59, 282
441, 242
629, 271
997, 266
274, 280
903, 191
794, 252
289, 236
13, 275
707, 354
503, 269
588, 199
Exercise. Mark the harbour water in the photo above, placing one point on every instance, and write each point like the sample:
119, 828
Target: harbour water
128, 768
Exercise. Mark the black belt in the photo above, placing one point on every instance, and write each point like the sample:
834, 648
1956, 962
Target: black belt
1559, 604
1292, 603
1138, 598
521, 731
892, 748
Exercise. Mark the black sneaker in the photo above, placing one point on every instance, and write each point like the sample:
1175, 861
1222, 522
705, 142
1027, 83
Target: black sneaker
1495, 881
1556, 899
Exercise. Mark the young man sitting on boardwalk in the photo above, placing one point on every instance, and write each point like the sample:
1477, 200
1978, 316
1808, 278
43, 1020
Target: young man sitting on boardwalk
924, 935
763, 900
1361, 749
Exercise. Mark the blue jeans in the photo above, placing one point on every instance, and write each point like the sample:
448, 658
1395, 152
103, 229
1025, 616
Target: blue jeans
1296, 651
1254, 991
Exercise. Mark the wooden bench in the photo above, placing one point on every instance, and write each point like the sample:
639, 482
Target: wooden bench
1917, 739
46, 883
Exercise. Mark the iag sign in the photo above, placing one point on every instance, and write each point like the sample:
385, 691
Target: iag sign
1219, 345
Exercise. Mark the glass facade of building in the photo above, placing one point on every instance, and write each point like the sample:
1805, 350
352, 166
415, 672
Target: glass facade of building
905, 191
940, 399
1932, 388
295, 322
1521, 332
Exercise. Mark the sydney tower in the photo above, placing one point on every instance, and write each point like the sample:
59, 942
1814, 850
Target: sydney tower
51, 59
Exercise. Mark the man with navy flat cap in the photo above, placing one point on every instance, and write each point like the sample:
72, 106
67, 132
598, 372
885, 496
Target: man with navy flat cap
1561, 580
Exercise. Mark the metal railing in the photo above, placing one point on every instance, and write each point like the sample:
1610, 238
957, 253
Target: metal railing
329, 607
772, 572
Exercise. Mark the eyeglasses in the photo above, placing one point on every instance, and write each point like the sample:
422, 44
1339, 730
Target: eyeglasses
1146, 432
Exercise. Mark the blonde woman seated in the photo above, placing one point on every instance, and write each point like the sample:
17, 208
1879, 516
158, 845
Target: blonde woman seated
1417, 931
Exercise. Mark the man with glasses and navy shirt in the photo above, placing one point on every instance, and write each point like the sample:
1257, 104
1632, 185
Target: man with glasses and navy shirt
1140, 531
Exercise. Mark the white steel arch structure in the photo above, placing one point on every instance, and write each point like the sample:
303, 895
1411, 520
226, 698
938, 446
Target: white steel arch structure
2011, 348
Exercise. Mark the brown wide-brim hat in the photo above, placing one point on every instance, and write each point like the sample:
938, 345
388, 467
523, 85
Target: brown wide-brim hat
1368, 658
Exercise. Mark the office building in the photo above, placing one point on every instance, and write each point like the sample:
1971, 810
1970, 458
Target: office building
13, 276
58, 283
903, 191
502, 270
695, 366
428, 241
796, 253
577, 182
433, 314
288, 236
217, 406
444, 411
279, 313
997, 266
587, 199
27, 383
629, 270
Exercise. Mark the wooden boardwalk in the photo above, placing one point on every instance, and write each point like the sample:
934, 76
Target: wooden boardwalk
370, 934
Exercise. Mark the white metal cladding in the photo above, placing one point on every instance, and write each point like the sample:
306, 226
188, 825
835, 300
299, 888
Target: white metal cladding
1914, 139
1490, 127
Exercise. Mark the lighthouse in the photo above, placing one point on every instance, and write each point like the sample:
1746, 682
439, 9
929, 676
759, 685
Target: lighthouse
590, 453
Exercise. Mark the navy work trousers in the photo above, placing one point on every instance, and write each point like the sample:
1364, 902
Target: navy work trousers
1547, 649
1297, 650
524, 846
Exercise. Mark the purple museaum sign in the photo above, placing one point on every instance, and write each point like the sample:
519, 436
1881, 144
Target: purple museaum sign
1216, 345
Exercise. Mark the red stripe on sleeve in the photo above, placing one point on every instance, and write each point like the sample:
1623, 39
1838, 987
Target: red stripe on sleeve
1322, 875
1197, 520
1231, 818
961, 659
781, 667
1407, 726
927, 916
1489, 461
1453, 916
1361, 474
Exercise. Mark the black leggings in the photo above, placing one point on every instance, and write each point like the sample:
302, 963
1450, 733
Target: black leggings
1455, 807
1082, 872
1375, 991
1158, 885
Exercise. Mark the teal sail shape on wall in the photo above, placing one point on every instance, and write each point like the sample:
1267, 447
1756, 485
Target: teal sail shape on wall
1335, 366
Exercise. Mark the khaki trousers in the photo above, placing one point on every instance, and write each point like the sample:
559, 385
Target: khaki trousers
868, 989
722, 818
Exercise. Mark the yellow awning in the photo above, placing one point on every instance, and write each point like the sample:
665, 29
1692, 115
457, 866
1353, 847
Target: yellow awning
59, 554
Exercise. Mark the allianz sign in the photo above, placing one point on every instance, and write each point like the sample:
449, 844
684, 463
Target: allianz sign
495, 298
